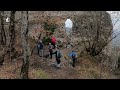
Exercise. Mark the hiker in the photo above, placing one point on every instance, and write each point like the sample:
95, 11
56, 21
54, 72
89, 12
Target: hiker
58, 56
40, 48
68, 29
53, 41
73, 55
50, 47
68, 26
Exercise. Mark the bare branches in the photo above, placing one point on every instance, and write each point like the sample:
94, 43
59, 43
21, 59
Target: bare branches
94, 26
108, 43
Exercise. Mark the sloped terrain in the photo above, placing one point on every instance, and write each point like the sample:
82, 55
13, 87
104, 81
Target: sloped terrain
42, 68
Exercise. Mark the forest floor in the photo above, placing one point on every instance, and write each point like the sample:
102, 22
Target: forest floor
42, 68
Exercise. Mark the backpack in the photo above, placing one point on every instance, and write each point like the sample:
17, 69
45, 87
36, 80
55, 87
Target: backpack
53, 40
59, 54
50, 47
74, 56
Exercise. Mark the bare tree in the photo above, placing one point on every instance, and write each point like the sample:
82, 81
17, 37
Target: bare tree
95, 30
2, 31
12, 28
115, 16
24, 37
12, 33
3, 49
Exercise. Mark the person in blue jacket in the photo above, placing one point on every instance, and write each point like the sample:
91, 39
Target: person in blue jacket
73, 55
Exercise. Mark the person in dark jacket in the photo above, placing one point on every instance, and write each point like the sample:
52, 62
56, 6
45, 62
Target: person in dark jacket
50, 50
57, 56
40, 48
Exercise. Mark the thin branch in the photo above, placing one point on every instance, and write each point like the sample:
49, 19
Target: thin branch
17, 58
108, 43
116, 22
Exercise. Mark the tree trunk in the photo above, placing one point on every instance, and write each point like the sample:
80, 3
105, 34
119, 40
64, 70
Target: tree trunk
2, 58
2, 54
12, 34
12, 28
24, 37
2, 31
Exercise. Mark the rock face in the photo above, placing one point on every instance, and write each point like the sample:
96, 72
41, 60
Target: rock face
36, 19
85, 24
95, 26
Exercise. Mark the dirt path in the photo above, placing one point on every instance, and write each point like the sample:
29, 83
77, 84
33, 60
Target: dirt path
64, 72
11, 70
42, 68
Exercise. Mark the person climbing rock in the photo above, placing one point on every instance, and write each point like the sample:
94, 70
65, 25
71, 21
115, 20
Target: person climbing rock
58, 55
73, 55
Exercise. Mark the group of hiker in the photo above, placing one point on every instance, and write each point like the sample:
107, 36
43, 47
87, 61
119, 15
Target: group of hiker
54, 49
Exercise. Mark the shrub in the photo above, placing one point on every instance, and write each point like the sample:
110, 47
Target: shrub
46, 40
41, 74
49, 27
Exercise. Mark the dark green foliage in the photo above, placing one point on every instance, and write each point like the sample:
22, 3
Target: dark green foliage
49, 27
46, 40
59, 41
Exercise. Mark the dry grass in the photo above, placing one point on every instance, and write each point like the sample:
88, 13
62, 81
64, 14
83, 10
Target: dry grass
90, 70
38, 74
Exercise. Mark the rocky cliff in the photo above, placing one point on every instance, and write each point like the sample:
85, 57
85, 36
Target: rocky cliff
86, 24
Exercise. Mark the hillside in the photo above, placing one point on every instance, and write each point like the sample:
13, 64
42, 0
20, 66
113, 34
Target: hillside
46, 24
86, 68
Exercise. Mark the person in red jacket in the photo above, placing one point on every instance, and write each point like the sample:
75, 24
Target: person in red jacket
53, 41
